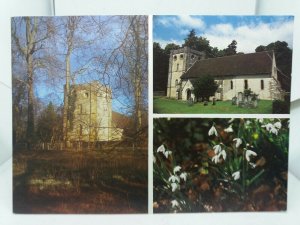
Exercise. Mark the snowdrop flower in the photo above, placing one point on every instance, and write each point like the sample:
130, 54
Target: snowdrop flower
253, 165
183, 176
212, 131
216, 159
273, 130
217, 149
236, 175
278, 125
161, 149
174, 203
174, 178
268, 126
176, 169
249, 153
174, 186
223, 153
238, 142
229, 129
248, 122
167, 153
261, 120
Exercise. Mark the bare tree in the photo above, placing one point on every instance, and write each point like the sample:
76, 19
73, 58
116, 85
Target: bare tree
29, 43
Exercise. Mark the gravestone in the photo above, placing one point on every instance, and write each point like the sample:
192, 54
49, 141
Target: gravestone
240, 99
214, 101
205, 103
234, 100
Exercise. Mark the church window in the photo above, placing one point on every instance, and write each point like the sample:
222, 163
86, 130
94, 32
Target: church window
177, 67
181, 56
86, 94
262, 85
176, 82
231, 84
192, 56
175, 57
245, 84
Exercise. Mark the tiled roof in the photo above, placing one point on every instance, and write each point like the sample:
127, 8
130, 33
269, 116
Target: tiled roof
240, 64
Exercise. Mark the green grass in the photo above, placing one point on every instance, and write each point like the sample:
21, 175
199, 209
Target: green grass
165, 105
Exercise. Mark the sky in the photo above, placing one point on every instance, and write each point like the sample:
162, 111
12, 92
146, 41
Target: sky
248, 31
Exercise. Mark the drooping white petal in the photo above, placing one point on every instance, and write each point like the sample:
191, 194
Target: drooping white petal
167, 153
273, 130
253, 165
268, 126
176, 169
223, 154
229, 129
161, 149
231, 120
183, 176
278, 125
174, 186
249, 153
175, 203
217, 149
212, 131
236, 175
238, 142
174, 178
216, 159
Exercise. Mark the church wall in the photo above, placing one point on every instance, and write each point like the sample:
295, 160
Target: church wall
254, 83
187, 85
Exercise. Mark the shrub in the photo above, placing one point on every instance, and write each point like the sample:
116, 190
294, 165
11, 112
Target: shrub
281, 107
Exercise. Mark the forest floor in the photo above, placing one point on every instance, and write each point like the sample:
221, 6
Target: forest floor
166, 105
114, 181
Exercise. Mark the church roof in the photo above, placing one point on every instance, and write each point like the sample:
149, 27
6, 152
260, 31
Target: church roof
240, 64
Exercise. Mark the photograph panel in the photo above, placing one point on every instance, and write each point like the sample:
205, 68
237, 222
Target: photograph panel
222, 64
80, 114
220, 164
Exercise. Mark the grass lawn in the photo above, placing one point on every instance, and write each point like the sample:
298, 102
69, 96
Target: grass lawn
165, 105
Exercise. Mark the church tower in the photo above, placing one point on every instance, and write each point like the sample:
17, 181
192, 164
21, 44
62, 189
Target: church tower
180, 61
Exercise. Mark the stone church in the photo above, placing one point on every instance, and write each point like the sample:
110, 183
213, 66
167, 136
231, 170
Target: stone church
233, 74
90, 116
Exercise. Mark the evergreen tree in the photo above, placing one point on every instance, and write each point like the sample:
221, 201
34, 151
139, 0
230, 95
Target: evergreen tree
204, 87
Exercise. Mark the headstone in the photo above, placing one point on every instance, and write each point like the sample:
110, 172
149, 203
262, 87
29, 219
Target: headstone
205, 103
214, 101
234, 100
240, 99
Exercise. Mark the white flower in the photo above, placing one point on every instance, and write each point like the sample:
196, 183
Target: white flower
229, 129
248, 122
183, 176
273, 130
212, 131
161, 149
268, 126
174, 203
167, 153
278, 125
216, 159
174, 178
223, 153
253, 165
174, 186
176, 169
249, 153
238, 142
217, 149
236, 175
261, 120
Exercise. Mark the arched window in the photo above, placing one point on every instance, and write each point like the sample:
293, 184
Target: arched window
245, 84
175, 57
262, 85
231, 84
181, 56
177, 67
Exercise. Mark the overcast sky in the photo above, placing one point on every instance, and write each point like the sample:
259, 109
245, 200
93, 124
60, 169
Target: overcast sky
248, 31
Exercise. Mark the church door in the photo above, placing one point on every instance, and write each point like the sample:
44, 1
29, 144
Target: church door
188, 94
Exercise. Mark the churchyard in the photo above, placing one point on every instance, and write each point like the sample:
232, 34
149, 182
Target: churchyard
166, 105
